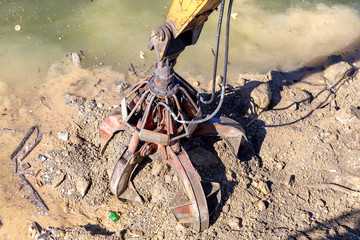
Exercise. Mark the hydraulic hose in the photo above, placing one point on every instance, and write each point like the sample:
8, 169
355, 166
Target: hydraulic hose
221, 13
224, 80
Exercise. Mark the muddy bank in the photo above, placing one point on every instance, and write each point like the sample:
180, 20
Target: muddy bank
299, 178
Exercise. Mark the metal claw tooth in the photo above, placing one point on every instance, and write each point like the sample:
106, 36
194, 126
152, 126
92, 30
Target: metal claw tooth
112, 124
120, 184
182, 207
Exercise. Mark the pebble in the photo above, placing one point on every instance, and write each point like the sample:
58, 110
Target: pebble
63, 136
321, 203
17, 28
289, 180
42, 158
121, 87
280, 165
226, 208
75, 59
263, 187
156, 169
234, 223
142, 55
168, 179
196, 83
82, 186
261, 205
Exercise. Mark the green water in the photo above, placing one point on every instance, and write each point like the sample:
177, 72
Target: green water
265, 35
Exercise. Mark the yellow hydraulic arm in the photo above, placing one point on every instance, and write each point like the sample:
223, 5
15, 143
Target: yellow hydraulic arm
182, 27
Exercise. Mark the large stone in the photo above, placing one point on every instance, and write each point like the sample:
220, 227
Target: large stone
203, 158
336, 73
261, 95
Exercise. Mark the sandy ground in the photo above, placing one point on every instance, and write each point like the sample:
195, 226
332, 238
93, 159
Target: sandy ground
299, 179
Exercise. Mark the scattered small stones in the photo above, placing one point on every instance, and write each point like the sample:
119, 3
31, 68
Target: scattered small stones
261, 205
63, 136
234, 223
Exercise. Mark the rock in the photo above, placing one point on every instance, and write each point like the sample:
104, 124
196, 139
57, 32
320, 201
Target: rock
261, 95
160, 235
121, 87
71, 191
82, 185
63, 136
289, 180
97, 142
262, 186
196, 84
333, 59
344, 115
226, 208
280, 165
203, 158
337, 72
234, 223
17, 28
42, 158
75, 59
255, 90
138, 233
156, 169
321, 203
179, 227
218, 83
168, 179
261, 205
58, 179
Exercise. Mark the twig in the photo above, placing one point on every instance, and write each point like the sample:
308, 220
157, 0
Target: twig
22, 143
132, 69
333, 186
37, 141
9, 130
32, 190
